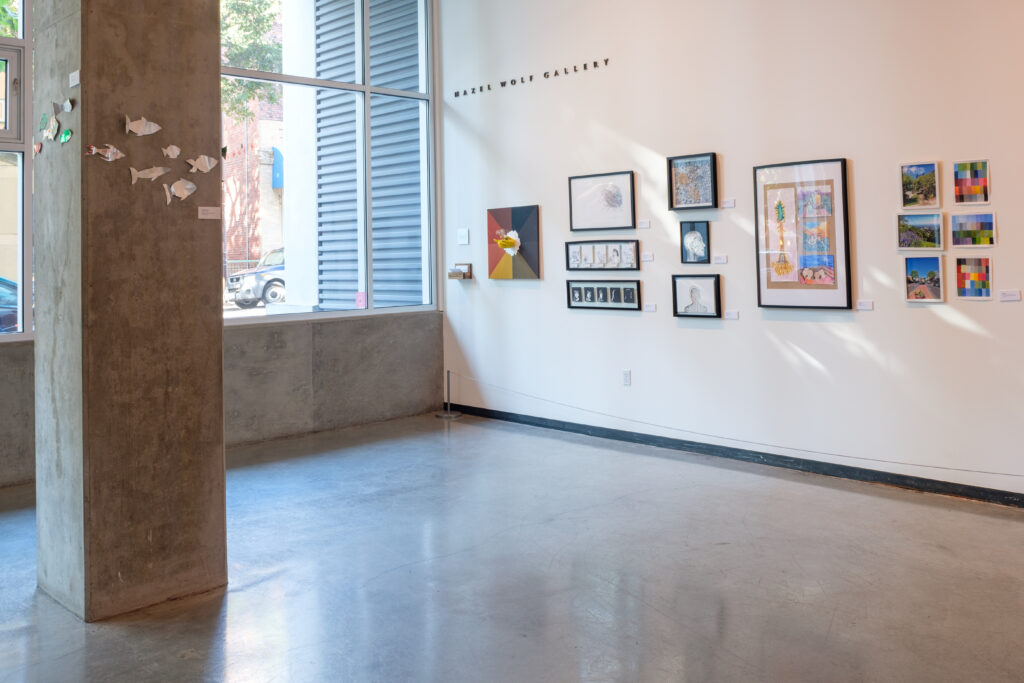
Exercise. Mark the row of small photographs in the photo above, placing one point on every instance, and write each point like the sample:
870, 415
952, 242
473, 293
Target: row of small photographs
925, 282
693, 296
925, 230
603, 255
609, 294
921, 187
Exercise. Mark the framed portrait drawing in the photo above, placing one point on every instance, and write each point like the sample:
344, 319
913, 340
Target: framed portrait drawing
924, 279
622, 295
920, 185
803, 239
603, 255
693, 182
696, 296
604, 201
695, 241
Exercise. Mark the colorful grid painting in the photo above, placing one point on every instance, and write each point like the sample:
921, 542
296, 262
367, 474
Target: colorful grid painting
974, 230
970, 182
974, 278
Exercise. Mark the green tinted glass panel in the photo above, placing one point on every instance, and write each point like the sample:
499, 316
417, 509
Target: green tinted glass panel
10, 19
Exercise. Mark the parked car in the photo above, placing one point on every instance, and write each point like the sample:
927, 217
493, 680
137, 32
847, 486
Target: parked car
8, 306
263, 283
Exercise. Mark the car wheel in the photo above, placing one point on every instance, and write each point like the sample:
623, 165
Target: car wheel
246, 304
273, 293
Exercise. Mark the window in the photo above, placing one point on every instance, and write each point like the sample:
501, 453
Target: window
15, 160
327, 166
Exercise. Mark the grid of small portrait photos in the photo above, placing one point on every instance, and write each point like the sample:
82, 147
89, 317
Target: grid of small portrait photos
920, 227
621, 295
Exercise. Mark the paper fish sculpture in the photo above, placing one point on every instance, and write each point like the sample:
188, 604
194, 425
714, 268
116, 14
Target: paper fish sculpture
202, 163
140, 127
150, 174
181, 189
68, 105
111, 153
171, 152
65, 135
51, 128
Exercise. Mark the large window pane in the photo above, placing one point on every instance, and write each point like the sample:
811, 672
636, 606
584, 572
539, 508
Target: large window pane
400, 202
398, 44
10, 18
10, 239
293, 226
309, 38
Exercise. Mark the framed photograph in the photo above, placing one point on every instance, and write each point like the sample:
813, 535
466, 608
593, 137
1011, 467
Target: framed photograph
974, 278
803, 238
971, 182
602, 202
919, 230
693, 182
924, 279
513, 243
602, 255
973, 229
696, 296
920, 185
622, 295
695, 241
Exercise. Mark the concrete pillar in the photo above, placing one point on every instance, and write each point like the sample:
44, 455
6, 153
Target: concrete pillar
129, 398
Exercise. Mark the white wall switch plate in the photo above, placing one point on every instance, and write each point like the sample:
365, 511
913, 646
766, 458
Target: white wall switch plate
865, 305
647, 256
650, 308
1009, 295
462, 236
627, 378
732, 315
209, 213
643, 225
73, 79
721, 259
728, 203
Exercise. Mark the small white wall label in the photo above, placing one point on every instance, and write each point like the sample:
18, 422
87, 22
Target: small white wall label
1009, 295
865, 305
462, 236
732, 315
721, 259
728, 203
650, 308
209, 213
73, 79
647, 256
644, 224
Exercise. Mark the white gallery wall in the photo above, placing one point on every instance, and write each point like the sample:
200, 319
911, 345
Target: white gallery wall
935, 389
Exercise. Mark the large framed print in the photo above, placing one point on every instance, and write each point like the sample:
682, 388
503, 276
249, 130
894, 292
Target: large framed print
693, 182
604, 201
622, 295
803, 238
603, 255
696, 296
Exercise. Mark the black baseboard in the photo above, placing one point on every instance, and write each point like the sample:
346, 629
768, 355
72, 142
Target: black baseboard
801, 464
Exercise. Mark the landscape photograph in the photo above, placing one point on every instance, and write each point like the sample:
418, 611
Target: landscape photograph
919, 231
920, 186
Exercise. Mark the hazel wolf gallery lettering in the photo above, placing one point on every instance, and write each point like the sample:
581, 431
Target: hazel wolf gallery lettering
522, 80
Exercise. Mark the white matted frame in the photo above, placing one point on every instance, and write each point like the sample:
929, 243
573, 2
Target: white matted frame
914, 171
924, 279
975, 293
602, 201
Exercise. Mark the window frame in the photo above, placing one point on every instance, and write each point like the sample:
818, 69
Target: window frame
429, 185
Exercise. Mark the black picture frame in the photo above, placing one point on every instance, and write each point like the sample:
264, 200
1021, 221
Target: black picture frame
711, 160
834, 291
680, 304
619, 295
633, 246
589, 199
690, 245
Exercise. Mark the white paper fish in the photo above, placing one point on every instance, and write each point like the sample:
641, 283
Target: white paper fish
111, 153
140, 127
51, 128
149, 174
171, 152
180, 189
202, 163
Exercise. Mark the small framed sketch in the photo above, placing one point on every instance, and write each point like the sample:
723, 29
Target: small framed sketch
973, 229
802, 238
696, 296
693, 182
974, 278
971, 182
623, 295
603, 255
695, 241
919, 230
602, 202
920, 185
924, 279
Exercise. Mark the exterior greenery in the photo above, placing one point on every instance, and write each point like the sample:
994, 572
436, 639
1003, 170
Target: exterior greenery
248, 42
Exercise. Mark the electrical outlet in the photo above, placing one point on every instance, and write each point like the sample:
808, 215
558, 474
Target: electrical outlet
627, 378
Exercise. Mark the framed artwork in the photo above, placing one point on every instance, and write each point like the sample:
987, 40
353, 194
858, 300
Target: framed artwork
971, 182
973, 229
920, 185
693, 182
919, 230
696, 296
602, 202
924, 278
974, 278
803, 239
622, 295
603, 255
695, 241
513, 243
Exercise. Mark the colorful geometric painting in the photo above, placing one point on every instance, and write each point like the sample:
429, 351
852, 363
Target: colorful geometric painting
974, 278
974, 230
521, 264
924, 278
971, 182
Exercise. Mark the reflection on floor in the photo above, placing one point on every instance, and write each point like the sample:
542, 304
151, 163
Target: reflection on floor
419, 550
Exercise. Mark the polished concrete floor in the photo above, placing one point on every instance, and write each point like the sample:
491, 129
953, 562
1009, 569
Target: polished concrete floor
482, 551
